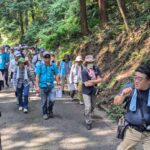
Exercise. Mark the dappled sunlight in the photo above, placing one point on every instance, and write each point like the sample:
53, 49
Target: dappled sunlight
99, 132
13, 145
29, 131
76, 142
3, 95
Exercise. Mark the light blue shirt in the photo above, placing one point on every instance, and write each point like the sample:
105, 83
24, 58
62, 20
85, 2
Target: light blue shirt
3, 60
46, 75
64, 68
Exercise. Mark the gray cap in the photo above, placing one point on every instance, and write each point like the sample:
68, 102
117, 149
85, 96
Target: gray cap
46, 53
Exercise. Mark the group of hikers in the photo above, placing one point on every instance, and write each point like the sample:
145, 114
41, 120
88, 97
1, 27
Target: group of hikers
26, 67
82, 76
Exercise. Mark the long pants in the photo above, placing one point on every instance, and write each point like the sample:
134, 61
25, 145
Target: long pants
2, 81
89, 104
79, 91
1, 84
132, 138
24, 90
6, 76
0, 142
47, 100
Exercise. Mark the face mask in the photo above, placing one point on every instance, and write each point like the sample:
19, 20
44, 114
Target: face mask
90, 66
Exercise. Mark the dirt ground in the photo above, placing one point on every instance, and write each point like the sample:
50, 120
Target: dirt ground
66, 131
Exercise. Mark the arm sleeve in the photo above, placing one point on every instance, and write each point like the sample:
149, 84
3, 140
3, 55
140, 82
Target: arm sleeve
30, 76
14, 78
55, 69
38, 70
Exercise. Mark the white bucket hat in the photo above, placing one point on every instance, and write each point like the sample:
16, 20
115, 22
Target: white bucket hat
79, 58
89, 58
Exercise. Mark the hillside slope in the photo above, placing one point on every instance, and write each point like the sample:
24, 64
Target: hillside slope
117, 55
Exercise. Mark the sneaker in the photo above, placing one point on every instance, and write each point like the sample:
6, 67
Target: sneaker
25, 110
81, 103
89, 126
45, 117
51, 115
20, 108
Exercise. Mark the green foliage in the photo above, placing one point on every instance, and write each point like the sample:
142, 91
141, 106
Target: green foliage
56, 21
115, 112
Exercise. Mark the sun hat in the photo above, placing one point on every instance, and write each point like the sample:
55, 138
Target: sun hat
89, 58
79, 58
21, 60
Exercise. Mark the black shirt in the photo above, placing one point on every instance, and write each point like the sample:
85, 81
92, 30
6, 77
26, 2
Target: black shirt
85, 77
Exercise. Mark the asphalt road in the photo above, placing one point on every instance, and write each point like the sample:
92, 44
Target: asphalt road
66, 131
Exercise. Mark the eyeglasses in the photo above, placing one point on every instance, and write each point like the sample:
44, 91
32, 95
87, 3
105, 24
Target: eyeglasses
139, 79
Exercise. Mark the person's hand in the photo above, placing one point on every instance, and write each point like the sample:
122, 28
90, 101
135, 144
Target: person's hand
126, 92
58, 86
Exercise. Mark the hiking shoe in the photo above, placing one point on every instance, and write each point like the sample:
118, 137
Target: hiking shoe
89, 126
25, 110
45, 117
20, 108
81, 103
51, 115
7, 85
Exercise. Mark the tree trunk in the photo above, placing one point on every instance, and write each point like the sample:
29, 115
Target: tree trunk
32, 10
123, 15
21, 26
123, 6
26, 19
83, 18
103, 11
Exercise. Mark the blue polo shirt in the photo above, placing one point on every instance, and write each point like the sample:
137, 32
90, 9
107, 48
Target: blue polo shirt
46, 75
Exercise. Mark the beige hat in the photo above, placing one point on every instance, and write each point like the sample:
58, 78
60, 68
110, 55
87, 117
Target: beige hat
89, 58
79, 58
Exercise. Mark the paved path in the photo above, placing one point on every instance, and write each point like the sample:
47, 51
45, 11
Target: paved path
64, 132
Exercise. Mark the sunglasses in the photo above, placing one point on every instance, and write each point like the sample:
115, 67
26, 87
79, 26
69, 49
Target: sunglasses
47, 56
